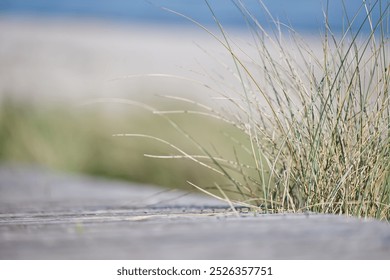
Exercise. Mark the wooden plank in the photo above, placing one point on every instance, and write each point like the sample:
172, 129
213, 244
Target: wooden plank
46, 215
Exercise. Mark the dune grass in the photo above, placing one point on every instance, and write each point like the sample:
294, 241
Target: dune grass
79, 139
316, 125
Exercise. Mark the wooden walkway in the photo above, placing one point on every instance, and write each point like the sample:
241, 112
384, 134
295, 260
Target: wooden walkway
46, 215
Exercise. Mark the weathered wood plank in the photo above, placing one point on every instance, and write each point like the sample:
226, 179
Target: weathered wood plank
44, 215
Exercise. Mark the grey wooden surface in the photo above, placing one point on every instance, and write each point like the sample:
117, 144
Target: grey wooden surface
47, 215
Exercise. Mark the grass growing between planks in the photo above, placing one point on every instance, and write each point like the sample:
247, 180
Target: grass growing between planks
317, 126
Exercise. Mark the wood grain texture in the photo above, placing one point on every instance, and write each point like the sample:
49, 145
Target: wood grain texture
46, 215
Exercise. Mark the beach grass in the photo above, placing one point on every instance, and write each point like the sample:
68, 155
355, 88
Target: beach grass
316, 125
79, 139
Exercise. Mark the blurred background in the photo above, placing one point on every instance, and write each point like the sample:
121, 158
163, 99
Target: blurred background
63, 62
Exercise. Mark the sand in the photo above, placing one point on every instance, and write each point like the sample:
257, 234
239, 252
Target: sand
60, 60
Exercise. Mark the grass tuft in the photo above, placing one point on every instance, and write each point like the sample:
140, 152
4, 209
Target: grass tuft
316, 126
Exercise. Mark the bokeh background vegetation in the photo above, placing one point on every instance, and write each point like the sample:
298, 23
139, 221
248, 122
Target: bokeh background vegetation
79, 139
